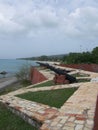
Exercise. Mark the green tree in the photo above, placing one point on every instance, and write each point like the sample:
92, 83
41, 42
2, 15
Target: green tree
42, 58
84, 57
95, 54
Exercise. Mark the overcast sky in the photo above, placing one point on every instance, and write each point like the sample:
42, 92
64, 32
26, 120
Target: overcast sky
46, 27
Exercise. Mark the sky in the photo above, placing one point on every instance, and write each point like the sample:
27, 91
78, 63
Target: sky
47, 27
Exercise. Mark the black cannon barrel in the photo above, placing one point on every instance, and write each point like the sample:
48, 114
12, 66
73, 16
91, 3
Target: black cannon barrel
42, 64
59, 71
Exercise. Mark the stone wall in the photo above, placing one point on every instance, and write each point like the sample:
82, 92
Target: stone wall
77, 113
87, 67
36, 76
60, 79
25, 117
96, 116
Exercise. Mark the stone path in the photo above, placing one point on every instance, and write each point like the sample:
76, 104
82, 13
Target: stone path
77, 113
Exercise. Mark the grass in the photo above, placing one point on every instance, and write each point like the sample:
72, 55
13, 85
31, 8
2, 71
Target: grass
51, 83
83, 80
53, 98
9, 121
80, 75
13, 87
48, 83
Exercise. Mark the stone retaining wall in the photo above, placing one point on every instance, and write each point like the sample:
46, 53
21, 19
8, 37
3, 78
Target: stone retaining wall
96, 116
87, 67
36, 76
77, 113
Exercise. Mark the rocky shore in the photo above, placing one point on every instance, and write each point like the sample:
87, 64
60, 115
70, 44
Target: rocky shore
4, 82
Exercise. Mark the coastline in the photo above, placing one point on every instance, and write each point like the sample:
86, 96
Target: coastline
9, 80
4, 82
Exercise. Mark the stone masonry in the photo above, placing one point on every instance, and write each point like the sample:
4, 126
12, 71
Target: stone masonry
77, 113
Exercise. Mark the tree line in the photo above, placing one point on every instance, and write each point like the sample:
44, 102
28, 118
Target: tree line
84, 57
71, 58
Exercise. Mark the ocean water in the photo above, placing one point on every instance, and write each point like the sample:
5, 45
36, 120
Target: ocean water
11, 66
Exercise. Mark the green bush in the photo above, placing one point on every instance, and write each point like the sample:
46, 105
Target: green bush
23, 75
84, 57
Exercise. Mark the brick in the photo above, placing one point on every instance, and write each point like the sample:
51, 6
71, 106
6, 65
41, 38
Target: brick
71, 119
18, 107
59, 125
79, 127
54, 123
70, 124
67, 128
89, 126
80, 117
86, 128
90, 122
60, 79
36, 76
63, 121
79, 122
44, 127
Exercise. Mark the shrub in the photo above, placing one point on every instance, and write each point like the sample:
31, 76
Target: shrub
23, 75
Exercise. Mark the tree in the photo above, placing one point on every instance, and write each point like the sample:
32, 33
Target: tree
23, 75
84, 57
43, 58
95, 54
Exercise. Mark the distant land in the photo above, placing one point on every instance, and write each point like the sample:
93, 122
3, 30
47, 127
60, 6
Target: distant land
57, 57
71, 58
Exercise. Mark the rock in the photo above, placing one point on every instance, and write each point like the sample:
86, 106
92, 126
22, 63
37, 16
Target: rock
3, 72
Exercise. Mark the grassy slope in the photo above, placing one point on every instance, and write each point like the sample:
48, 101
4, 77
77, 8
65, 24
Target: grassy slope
9, 121
48, 83
54, 98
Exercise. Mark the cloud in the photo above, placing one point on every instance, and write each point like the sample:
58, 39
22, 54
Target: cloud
35, 17
37, 27
44, 17
84, 21
26, 17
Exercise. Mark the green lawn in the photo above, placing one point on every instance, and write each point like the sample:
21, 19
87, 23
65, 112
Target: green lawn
51, 83
9, 121
48, 83
54, 98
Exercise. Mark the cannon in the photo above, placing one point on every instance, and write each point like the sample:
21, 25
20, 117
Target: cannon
43, 64
53, 68
59, 72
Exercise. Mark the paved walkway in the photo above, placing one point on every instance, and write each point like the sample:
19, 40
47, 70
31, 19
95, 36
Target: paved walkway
77, 113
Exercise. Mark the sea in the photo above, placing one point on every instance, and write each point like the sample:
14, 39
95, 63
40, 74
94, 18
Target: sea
12, 66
